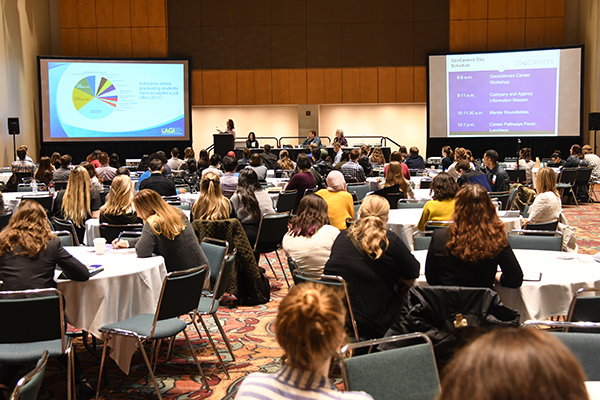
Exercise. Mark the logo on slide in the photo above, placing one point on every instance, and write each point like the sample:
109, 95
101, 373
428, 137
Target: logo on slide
95, 97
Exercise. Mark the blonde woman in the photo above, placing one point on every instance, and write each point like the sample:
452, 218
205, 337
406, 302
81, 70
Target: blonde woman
395, 182
78, 202
211, 205
547, 205
381, 262
310, 329
118, 209
166, 232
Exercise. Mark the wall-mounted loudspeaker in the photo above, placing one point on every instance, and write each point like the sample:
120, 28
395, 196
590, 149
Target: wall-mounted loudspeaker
594, 122
13, 126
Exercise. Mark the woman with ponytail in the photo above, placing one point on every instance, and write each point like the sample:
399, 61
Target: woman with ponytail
310, 329
375, 263
211, 205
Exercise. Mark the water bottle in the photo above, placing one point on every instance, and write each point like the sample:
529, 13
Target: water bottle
34, 186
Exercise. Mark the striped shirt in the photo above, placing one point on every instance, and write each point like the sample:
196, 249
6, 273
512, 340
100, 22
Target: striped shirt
352, 170
293, 384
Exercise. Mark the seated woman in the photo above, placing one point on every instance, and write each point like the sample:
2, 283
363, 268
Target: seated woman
95, 179
284, 161
211, 205
339, 201
256, 163
514, 364
167, 232
525, 162
374, 262
377, 158
250, 202
29, 254
251, 142
397, 156
311, 235
546, 206
78, 202
44, 172
118, 209
302, 180
469, 251
395, 182
310, 329
441, 207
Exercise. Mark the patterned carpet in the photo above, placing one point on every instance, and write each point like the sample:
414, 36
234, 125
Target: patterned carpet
248, 329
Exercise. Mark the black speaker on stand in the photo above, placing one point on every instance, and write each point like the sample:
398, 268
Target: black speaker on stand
13, 129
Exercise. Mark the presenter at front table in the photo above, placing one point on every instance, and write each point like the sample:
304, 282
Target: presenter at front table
230, 128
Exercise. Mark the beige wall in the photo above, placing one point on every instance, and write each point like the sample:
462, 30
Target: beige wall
24, 34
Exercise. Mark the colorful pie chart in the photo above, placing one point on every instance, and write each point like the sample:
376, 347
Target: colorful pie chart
95, 97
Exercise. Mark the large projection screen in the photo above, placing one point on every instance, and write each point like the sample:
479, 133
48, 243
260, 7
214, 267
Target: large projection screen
535, 93
107, 100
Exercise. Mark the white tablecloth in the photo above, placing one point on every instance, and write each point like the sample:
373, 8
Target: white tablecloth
5, 176
12, 199
403, 222
593, 389
128, 286
562, 275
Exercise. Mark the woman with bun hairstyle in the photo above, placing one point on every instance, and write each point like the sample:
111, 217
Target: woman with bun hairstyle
310, 329
374, 261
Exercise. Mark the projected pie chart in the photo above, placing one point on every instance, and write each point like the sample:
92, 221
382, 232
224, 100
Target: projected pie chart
95, 97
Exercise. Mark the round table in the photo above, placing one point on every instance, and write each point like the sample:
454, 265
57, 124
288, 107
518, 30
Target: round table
562, 274
128, 286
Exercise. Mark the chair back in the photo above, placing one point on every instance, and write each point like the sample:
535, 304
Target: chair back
433, 225
65, 238
308, 191
568, 176
502, 197
60, 185
335, 282
361, 189
180, 294
517, 240
422, 240
111, 231
292, 264
583, 176
127, 235
65, 225
410, 369
45, 201
28, 386
224, 276
516, 175
544, 226
215, 251
4, 218
271, 230
585, 306
286, 200
586, 348
172, 200
410, 203
47, 307
425, 183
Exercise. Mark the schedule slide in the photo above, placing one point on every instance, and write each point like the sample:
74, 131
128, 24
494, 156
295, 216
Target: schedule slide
508, 94
115, 100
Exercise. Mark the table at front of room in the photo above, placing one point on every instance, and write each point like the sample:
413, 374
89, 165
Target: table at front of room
128, 286
562, 275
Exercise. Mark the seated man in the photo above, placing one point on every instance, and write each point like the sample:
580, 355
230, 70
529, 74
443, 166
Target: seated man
157, 182
414, 160
215, 166
174, 162
312, 138
105, 171
337, 149
319, 164
229, 181
467, 175
269, 159
352, 171
556, 160
62, 174
22, 165
497, 176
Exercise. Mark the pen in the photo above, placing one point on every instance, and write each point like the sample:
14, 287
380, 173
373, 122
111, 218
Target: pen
119, 237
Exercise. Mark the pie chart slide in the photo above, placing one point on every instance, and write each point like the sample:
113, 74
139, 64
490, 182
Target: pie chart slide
95, 97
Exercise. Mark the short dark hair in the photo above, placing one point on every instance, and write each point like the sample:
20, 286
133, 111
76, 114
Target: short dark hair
267, 148
414, 150
396, 156
229, 164
443, 187
303, 161
463, 165
316, 153
555, 155
313, 132
246, 152
103, 158
65, 161
123, 171
576, 149
255, 160
175, 152
354, 154
159, 155
21, 153
215, 159
156, 164
492, 155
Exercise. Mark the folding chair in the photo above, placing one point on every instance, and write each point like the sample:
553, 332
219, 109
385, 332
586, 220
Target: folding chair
502, 197
215, 251
271, 230
566, 180
65, 225
179, 295
286, 200
65, 237
535, 240
422, 240
585, 307
409, 370
584, 174
543, 226
28, 387
361, 189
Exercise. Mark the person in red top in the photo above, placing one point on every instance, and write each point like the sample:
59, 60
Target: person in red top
397, 156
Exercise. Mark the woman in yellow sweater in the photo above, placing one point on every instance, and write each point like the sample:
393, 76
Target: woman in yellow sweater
441, 208
339, 201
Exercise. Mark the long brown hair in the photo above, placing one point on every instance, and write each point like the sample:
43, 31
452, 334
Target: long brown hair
28, 230
394, 176
477, 232
377, 156
211, 205
369, 231
77, 199
312, 215
284, 160
44, 171
310, 325
516, 364
163, 218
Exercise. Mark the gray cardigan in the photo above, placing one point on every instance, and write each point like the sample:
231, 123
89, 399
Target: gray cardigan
264, 202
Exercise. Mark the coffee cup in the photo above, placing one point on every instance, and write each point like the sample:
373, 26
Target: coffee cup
100, 246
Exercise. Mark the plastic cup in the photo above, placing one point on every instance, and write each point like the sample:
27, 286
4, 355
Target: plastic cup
100, 246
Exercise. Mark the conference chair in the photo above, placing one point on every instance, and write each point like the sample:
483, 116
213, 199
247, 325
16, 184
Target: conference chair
180, 295
65, 225
292, 264
286, 200
361, 189
4, 218
216, 251
338, 283
517, 175
45, 201
501, 197
425, 183
407, 372
28, 387
542, 226
23, 342
566, 181
271, 230
585, 306
411, 203
209, 305
582, 182
535, 240
65, 238
60, 185
422, 240
432, 225
111, 231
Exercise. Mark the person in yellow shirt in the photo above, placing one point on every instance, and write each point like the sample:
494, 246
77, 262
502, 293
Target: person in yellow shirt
339, 201
441, 208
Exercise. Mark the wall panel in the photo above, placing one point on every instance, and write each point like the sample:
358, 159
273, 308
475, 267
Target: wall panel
405, 85
333, 85
245, 87
315, 86
227, 87
351, 85
368, 85
210, 88
263, 93
106, 46
281, 86
196, 88
386, 85
298, 86
420, 85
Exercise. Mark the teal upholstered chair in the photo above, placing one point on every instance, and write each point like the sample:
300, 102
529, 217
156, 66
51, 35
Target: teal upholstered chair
28, 387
